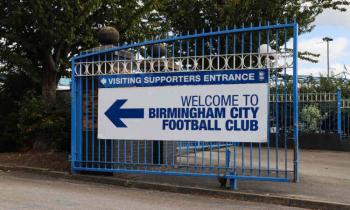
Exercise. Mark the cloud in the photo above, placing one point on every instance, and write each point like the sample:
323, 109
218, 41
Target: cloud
338, 56
317, 70
338, 48
331, 17
334, 24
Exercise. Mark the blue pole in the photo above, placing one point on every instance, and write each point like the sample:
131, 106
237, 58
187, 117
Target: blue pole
73, 120
295, 102
339, 130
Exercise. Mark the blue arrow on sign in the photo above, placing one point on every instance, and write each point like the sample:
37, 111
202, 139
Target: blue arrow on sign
115, 113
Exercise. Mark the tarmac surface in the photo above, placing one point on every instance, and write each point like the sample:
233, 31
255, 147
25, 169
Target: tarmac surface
19, 190
324, 176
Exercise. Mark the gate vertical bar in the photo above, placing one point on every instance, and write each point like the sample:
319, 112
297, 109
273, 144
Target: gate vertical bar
268, 108
73, 120
285, 111
295, 102
79, 114
339, 131
277, 109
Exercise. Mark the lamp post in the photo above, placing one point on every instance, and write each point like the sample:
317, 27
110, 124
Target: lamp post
327, 39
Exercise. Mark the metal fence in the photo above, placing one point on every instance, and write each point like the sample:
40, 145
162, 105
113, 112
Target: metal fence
319, 113
343, 107
253, 47
324, 122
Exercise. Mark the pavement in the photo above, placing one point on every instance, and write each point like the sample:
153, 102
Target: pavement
324, 176
29, 191
324, 183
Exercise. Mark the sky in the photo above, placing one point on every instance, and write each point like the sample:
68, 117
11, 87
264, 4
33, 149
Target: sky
333, 24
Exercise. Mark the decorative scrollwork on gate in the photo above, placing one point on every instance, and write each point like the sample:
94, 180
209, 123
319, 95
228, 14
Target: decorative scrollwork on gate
185, 63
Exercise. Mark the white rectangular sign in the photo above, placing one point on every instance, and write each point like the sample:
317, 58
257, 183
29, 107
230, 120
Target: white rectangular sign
220, 106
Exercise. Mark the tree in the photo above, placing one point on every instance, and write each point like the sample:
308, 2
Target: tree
38, 36
188, 15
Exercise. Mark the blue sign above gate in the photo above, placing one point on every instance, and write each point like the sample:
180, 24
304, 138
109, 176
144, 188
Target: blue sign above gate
184, 78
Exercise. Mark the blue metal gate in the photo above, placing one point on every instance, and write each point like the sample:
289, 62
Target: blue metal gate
253, 47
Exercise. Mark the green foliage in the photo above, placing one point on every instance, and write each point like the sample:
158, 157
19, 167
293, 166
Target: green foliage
34, 30
26, 121
310, 85
188, 15
41, 35
313, 84
310, 116
38, 37
43, 127
12, 88
325, 85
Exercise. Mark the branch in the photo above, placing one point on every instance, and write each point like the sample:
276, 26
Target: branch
48, 61
309, 56
57, 53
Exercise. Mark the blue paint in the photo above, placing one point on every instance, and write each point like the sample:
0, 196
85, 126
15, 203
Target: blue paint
339, 103
73, 122
295, 101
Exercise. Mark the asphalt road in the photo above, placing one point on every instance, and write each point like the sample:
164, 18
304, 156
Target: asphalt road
20, 190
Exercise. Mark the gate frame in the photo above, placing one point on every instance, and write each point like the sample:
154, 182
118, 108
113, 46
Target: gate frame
296, 101
75, 93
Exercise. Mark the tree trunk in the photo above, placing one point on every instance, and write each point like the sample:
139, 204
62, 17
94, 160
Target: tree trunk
49, 85
49, 79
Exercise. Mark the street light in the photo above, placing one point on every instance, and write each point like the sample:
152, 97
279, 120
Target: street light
327, 39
